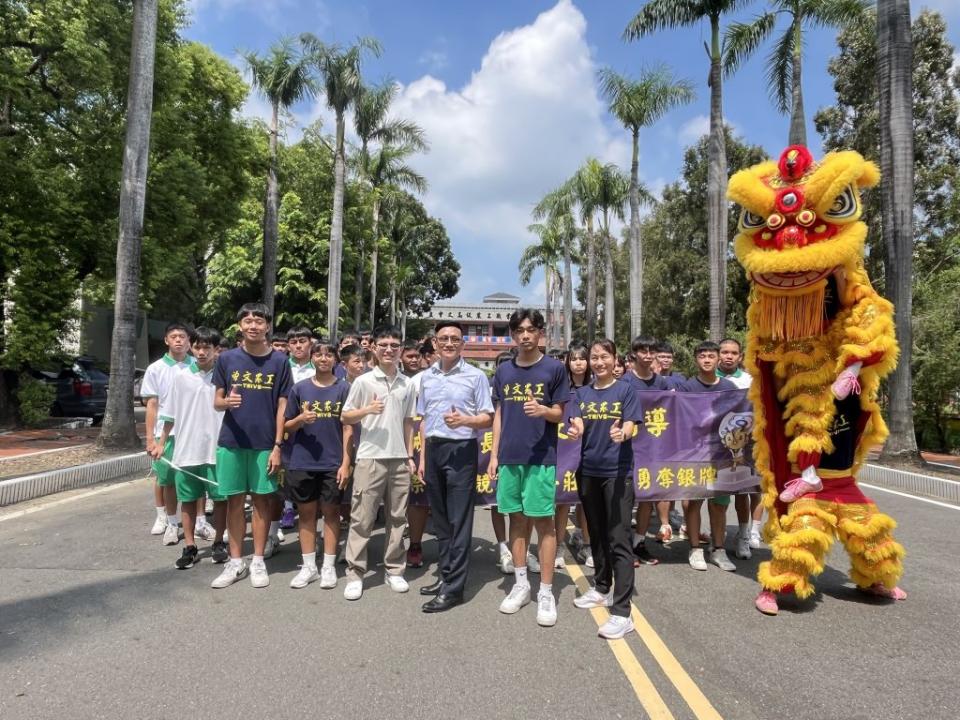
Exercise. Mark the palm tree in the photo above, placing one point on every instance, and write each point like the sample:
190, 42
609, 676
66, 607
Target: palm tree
785, 59
584, 190
664, 14
613, 190
398, 140
119, 426
546, 254
637, 104
895, 67
556, 208
283, 78
342, 82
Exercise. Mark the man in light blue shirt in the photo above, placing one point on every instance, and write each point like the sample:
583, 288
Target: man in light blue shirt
455, 404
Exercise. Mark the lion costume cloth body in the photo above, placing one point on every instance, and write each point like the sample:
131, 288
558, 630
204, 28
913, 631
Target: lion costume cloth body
813, 317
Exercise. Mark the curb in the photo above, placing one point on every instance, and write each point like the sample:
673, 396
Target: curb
28, 487
911, 483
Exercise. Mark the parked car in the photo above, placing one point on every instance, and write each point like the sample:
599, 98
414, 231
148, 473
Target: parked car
81, 389
138, 374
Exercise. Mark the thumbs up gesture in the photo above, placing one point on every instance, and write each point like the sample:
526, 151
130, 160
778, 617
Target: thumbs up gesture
532, 408
376, 406
454, 418
616, 432
234, 398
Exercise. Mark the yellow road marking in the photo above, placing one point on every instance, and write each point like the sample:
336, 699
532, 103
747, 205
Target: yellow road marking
646, 693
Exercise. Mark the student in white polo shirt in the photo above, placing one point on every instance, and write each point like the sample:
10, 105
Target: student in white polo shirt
382, 402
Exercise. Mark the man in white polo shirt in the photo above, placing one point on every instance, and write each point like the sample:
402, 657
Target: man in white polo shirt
382, 401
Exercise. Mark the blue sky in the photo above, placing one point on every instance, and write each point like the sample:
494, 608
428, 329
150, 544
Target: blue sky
506, 92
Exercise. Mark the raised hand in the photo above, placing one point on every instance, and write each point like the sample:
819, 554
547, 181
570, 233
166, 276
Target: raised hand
616, 432
376, 406
454, 418
574, 428
234, 399
532, 408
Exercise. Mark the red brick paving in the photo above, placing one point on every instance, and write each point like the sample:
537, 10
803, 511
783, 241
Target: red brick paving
23, 442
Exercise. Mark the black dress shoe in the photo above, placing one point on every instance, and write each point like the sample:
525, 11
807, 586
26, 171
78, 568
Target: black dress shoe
441, 603
433, 589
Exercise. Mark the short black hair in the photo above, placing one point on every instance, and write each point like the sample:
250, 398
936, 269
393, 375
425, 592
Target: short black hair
520, 314
447, 323
225, 344
327, 345
299, 332
409, 344
256, 309
427, 348
352, 335
644, 342
174, 326
349, 351
665, 347
706, 346
732, 340
504, 356
206, 336
387, 331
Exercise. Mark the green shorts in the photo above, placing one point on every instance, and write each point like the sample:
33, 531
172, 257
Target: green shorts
721, 500
163, 470
190, 487
527, 489
242, 471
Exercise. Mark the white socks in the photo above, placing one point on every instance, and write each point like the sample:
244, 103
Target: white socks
310, 559
546, 589
173, 520
274, 528
520, 573
503, 548
162, 512
329, 560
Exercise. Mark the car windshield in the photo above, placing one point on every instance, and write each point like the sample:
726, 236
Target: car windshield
88, 371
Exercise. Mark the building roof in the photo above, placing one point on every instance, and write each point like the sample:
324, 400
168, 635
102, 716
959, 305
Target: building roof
502, 298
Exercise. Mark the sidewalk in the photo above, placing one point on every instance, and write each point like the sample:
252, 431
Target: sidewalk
16, 443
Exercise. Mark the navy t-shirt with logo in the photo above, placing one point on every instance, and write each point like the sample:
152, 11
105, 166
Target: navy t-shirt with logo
694, 385
528, 440
599, 409
317, 446
261, 381
654, 382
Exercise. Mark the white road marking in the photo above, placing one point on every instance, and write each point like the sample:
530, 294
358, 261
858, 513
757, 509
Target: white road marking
911, 497
63, 501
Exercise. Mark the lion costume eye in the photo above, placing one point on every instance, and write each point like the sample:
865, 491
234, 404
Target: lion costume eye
845, 207
750, 221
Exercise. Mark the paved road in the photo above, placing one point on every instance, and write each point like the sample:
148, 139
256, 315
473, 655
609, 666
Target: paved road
96, 623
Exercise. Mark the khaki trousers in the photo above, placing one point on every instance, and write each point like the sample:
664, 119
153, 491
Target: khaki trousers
373, 481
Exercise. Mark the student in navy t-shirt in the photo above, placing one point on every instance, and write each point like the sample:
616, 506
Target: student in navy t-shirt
319, 461
643, 379
529, 393
707, 354
607, 411
252, 383
664, 356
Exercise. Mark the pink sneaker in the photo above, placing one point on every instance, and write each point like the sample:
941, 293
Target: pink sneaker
766, 603
881, 590
845, 384
797, 488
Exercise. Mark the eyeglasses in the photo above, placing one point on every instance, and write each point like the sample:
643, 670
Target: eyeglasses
388, 346
449, 340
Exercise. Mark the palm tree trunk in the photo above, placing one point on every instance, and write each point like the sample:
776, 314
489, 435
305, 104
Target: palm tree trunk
358, 289
393, 294
636, 248
798, 125
895, 50
270, 218
119, 425
716, 192
374, 254
336, 234
609, 311
591, 283
547, 279
567, 294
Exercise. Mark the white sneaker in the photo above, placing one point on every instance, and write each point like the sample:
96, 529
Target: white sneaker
559, 563
258, 575
518, 597
281, 537
271, 547
171, 535
307, 575
234, 570
208, 507
589, 561
397, 583
615, 627
226, 535
719, 558
353, 590
743, 546
695, 558
205, 531
159, 525
533, 563
506, 563
328, 577
754, 539
593, 598
546, 609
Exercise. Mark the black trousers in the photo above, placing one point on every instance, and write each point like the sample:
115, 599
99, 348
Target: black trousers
451, 479
608, 505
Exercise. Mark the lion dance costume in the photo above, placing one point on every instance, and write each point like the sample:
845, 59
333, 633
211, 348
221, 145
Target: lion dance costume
820, 340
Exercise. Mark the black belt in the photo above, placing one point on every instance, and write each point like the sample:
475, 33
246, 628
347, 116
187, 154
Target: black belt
439, 440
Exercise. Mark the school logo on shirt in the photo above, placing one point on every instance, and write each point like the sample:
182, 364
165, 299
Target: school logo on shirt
601, 410
520, 393
251, 380
323, 409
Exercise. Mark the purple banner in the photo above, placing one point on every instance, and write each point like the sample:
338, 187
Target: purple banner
568, 462
693, 445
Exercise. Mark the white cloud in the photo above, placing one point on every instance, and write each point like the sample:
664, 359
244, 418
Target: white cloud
272, 13
524, 122
693, 129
